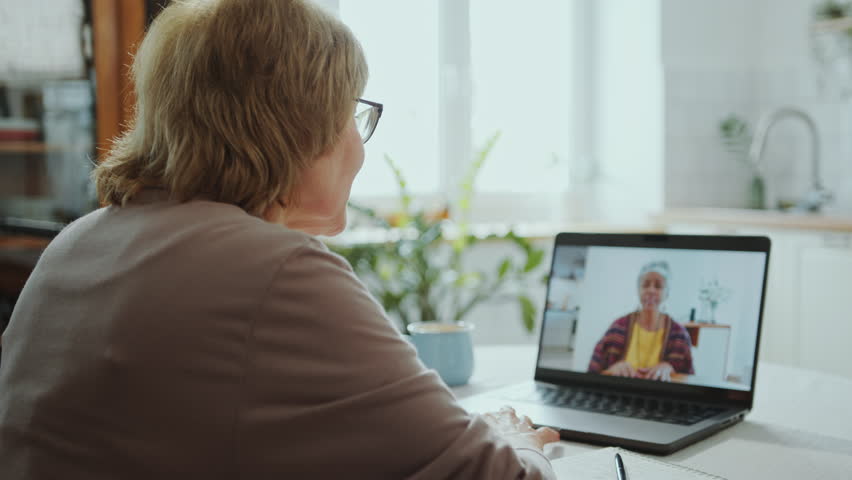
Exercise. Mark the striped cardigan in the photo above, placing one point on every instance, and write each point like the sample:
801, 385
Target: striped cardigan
612, 348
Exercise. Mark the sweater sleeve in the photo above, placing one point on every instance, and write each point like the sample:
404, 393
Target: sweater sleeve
678, 351
333, 390
614, 336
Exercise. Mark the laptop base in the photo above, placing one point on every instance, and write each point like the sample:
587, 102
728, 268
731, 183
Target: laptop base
647, 436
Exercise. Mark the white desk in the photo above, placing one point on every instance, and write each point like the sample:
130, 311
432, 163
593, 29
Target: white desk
800, 427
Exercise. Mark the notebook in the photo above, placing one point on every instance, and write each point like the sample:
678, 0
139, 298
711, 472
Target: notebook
600, 465
648, 342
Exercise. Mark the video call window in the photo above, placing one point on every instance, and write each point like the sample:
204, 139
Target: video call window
687, 316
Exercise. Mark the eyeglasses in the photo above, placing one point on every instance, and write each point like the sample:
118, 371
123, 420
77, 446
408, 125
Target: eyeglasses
367, 115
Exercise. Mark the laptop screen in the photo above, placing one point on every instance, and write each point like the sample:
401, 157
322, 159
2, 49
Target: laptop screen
659, 314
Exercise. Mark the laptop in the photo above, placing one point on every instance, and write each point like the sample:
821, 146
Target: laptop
648, 342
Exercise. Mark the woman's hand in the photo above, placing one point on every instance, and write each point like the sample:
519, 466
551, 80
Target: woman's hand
661, 371
621, 369
520, 431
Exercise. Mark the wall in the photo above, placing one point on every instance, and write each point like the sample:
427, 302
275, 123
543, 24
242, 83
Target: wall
748, 58
628, 110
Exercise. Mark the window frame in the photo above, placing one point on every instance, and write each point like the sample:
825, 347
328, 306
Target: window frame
456, 146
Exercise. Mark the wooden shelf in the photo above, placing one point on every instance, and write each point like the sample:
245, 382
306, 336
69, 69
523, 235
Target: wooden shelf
23, 147
22, 242
842, 24
695, 328
27, 147
754, 219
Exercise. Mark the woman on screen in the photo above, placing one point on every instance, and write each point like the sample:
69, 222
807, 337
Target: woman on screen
645, 343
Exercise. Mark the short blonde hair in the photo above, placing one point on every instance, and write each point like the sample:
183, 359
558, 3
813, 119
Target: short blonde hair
234, 99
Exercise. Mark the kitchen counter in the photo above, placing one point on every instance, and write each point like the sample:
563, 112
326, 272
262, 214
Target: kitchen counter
530, 231
771, 219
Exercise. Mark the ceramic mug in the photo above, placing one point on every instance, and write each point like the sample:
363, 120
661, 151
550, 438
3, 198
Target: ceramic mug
445, 347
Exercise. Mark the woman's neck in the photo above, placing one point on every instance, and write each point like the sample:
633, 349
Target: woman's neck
650, 319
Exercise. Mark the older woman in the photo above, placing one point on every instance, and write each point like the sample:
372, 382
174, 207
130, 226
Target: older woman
645, 343
194, 327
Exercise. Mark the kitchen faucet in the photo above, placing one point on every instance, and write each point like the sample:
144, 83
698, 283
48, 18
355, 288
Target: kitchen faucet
818, 195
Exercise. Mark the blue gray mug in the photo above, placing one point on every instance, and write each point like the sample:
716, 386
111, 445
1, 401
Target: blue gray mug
445, 347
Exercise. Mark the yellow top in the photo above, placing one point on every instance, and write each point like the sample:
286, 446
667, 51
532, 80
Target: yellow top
645, 347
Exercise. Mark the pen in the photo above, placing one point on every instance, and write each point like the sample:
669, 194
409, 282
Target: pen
619, 468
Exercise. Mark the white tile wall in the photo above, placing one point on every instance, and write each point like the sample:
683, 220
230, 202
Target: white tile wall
747, 58
718, 57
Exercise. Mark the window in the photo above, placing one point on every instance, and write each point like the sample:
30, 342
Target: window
451, 73
521, 72
401, 44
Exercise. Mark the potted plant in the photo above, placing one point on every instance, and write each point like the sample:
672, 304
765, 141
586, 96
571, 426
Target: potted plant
831, 44
736, 138
711, 294
419, 271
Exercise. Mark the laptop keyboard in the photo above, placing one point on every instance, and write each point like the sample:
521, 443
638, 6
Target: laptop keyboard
634, 406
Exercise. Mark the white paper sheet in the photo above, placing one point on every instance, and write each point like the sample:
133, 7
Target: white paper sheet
600, 465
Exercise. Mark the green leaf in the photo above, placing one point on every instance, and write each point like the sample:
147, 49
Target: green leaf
391, 301
467, 279
469, 179
385, 270
430, 235
521, 242
831, 9
527, 312
459, 243
735, 135
404, 196
534, 259
503, 268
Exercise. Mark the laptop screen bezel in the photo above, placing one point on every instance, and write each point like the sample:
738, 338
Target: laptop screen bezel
740, 398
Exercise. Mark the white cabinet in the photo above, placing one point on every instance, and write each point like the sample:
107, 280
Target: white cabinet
807, 316
780, 342
825, 309
709, 343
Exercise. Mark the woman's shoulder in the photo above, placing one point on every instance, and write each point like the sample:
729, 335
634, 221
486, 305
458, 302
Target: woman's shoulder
273, 244
225, 227
195, 232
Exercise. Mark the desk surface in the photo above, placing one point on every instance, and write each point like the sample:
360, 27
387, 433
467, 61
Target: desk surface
801, 423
